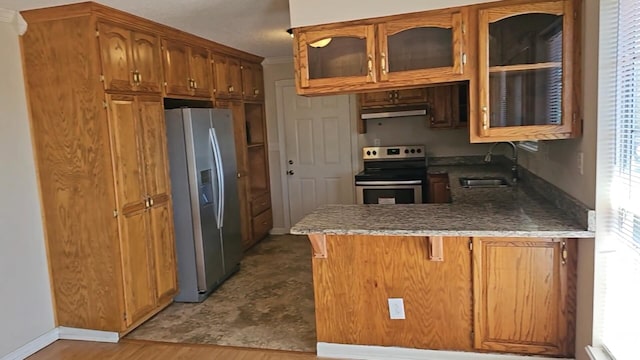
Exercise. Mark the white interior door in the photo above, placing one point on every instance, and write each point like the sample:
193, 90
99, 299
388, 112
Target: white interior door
317, 151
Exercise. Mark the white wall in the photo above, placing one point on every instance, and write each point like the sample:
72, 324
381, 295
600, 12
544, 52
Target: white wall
277, 69
25, 300
313, 12
416, 131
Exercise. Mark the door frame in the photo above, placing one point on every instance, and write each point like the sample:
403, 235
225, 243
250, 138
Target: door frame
282, 148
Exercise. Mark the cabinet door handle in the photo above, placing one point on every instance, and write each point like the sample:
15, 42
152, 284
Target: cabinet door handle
370, 65
231, 89
565, 252
134, 75
485, 123
150, 202
195, 84
146, 203
383, 63
139, 76
190, 83
256, 92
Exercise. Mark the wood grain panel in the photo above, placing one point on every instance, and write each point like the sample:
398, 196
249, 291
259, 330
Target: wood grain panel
152, 134
147, 61
523, 302
124, 125
360, 273
200, 71
176, 68
137, 265
162, 236
71, 144
117, 57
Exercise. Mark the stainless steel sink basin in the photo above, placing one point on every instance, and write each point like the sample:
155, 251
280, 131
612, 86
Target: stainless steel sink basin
485, 182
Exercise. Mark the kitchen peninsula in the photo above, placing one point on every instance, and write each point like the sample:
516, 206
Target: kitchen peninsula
493, 271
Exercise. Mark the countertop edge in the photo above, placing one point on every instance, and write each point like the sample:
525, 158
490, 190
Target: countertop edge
449, 233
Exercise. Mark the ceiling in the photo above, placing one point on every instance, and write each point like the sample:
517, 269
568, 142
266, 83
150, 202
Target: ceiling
255, 26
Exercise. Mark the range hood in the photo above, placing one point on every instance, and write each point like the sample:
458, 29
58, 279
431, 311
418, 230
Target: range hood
384, 113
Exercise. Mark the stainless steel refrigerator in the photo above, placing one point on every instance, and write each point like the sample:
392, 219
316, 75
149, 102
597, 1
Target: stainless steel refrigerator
206, 206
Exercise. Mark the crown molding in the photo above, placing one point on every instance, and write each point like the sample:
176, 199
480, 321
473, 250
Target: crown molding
13, 17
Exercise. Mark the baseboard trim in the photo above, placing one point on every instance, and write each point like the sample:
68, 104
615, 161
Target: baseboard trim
362, 352
279, 231
33, 346
66, 333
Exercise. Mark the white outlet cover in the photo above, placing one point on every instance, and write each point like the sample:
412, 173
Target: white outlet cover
396, 309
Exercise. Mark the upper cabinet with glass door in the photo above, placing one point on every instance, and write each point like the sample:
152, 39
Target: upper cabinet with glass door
526, 72
338, 57
426, 47
382, 53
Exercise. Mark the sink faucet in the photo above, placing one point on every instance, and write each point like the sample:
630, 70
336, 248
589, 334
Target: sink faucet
514, 158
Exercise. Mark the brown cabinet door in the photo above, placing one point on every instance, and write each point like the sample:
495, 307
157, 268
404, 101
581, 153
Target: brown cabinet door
117, 57
439, 189
442, 106
331, 58
154, 147
219, 65
147, 62
524, 291
377, 99
123, 121
234, 78
410, 96
426, 47
526, 66
176, 68
135, 252
252, 81
200, 72
164, 254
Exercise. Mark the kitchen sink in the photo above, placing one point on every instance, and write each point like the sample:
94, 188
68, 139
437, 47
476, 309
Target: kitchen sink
484, 182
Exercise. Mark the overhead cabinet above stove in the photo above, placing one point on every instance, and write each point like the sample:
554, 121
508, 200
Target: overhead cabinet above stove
381, 53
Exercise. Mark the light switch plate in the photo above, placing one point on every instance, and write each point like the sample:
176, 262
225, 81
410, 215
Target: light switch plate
396, 309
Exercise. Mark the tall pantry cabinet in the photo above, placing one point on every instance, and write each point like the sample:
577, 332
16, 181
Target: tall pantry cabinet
97, 126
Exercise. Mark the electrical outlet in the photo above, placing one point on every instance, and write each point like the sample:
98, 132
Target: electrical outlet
396, 309
581, 163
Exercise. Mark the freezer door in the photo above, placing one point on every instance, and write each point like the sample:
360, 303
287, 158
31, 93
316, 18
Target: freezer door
205, 199
231, 236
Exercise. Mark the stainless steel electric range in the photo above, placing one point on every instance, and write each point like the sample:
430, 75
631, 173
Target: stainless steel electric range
392, 175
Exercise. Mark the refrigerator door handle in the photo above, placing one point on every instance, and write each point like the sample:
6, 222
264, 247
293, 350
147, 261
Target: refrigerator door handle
219, 172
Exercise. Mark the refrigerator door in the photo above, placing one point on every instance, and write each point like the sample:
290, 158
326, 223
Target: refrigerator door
231, 236
205, 198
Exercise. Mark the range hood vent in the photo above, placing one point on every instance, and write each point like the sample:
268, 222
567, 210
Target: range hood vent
385, 113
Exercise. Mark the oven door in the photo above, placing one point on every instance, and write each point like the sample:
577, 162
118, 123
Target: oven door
389, 192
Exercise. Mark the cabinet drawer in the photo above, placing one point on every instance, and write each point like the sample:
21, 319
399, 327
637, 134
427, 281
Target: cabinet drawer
260, 204
261, 225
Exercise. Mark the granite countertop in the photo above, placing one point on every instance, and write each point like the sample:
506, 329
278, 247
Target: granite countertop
515, 211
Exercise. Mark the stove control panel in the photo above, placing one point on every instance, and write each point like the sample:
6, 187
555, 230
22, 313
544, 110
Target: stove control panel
393, 152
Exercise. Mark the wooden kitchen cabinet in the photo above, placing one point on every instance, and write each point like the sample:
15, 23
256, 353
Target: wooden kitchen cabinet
439, 188
524, 291
528, 72
402, 97
447, 106
142, 202
186, 68
130, 59
227, 75
381, 53
252, 81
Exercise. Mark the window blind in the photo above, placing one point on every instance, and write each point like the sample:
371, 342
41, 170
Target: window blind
619, 178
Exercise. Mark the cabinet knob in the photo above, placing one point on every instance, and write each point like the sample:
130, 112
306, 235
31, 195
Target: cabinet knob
290, 172
231, 88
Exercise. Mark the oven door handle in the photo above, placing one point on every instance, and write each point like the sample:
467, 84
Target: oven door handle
389, 183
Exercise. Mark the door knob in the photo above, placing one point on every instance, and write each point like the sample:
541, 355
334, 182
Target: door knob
290, 172
290, 162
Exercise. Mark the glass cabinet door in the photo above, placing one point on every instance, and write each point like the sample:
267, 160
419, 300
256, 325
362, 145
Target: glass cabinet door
525, 70
342, 56
421, 47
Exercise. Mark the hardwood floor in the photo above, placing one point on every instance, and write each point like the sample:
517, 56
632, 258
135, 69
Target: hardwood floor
139, 350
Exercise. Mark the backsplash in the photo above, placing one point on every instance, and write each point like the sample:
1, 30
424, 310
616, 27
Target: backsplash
415, 131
